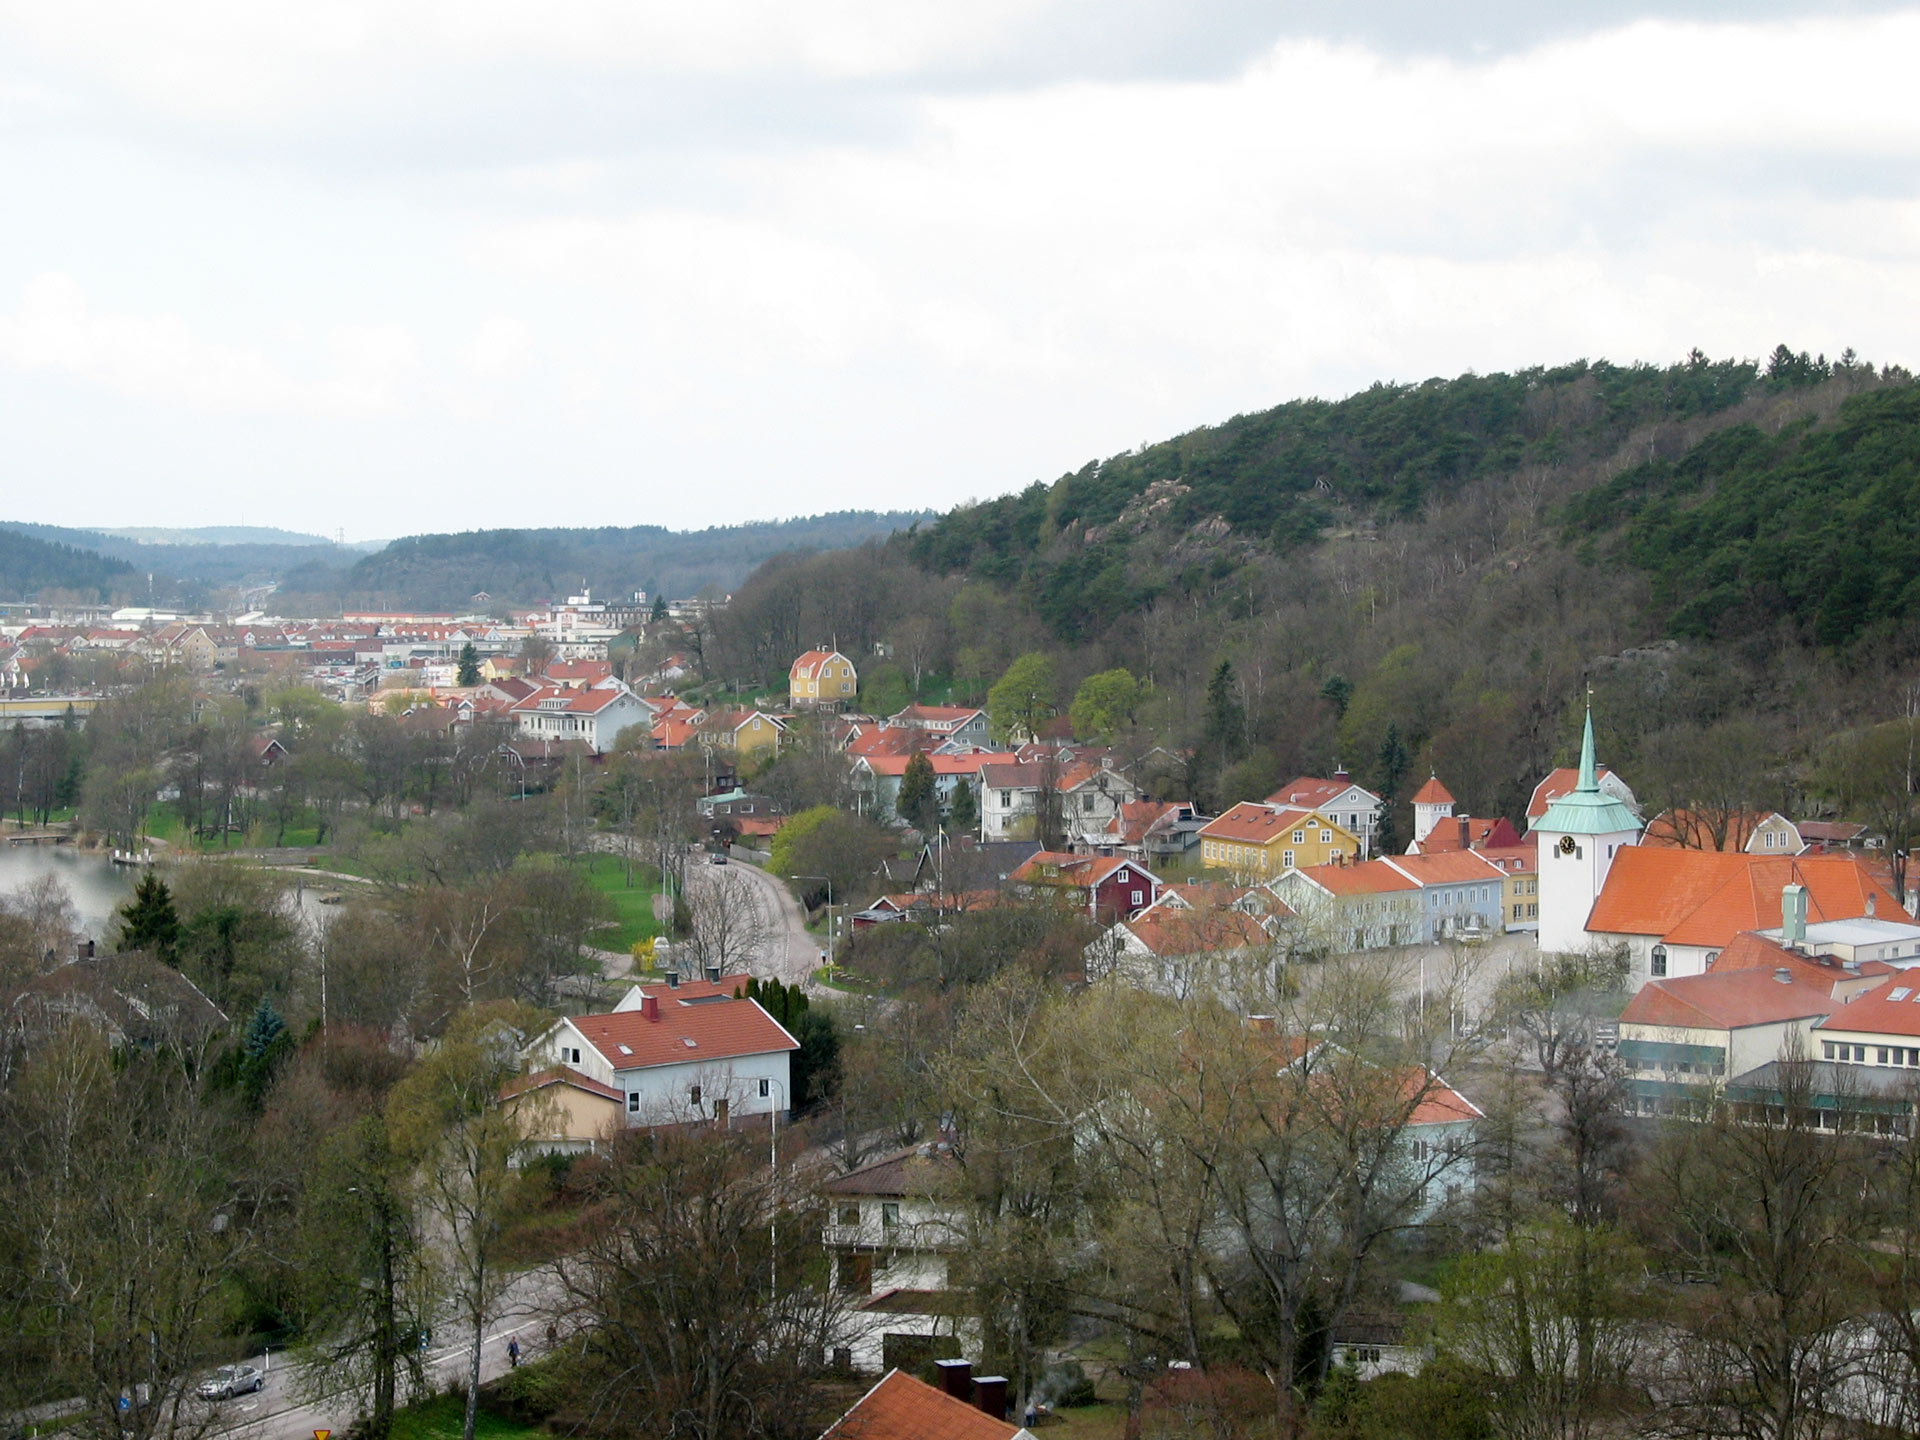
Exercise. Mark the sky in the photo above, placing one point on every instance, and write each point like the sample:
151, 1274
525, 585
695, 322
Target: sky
375, 267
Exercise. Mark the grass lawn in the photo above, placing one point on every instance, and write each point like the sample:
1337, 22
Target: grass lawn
633, 909
444, 1417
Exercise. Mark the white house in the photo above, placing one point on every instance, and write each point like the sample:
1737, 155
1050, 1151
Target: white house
1579, 837
1088, 796
679, 1055
596, 716
953, 723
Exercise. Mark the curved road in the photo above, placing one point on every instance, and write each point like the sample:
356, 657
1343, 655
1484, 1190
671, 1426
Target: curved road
792, 955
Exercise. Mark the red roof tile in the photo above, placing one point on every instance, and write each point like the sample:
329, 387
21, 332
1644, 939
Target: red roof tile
1371, 877
559, 1075
1878, 1013
1310, 791
1252, 823
719, 1029
1563, 781
1449, 867
903, 1408
1726, 1001
1706, 897
1433, 793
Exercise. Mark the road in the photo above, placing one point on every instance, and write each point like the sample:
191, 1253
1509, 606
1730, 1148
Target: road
791, 955
277, 1412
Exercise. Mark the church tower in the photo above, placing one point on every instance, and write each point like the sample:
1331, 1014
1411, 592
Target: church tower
1579, 836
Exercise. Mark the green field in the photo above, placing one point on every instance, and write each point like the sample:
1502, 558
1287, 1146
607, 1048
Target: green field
444, 1417
633, 909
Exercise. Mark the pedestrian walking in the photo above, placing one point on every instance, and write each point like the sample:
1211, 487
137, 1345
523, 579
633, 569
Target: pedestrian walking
513, 1354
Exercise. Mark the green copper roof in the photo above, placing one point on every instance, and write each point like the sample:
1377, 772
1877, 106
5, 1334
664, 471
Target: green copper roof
1588, 810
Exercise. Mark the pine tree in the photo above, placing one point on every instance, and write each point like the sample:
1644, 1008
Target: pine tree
1225, 722
919, 802
963, 816
149, 922
469, 665
263, 1029
1393, 769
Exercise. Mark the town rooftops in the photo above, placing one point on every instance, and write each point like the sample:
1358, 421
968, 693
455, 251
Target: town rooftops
1433, 793
1167, 932
1751, 951
1706, 897
808, 665
1729, 1000
1557, 783
1588, 809
884, 764
1449, 867
559, 1075
559, 699
719, 1029
934, 717
1057, 867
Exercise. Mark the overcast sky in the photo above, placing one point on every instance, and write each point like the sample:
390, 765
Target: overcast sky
386, 266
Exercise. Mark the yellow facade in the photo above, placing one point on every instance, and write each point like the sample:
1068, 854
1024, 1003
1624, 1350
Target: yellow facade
816, 680
1245, 842
750, 737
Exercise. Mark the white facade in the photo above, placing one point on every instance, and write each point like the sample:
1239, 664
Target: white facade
567, 717
686, 1092
1573, 868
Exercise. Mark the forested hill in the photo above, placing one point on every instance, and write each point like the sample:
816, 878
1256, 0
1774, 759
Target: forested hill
528, 566
29, 566
1430, 577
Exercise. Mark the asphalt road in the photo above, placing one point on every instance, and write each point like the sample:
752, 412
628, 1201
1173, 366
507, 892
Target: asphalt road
278, 1412
791, 955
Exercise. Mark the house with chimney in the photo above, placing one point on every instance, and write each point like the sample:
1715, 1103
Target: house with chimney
678, 1053
595, 717
1023, 799
1108, 888
821, 678
1257, 841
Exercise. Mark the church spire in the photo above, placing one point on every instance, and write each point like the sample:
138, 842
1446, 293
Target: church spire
1589, 772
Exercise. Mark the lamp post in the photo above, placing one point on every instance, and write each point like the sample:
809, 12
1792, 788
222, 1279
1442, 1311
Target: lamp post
829, 883
773, 1173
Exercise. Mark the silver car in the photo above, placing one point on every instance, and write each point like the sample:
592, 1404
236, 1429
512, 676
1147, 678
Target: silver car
231, 1380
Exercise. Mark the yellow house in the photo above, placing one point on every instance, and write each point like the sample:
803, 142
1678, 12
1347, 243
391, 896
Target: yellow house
749, 734
1261, 841
822, 677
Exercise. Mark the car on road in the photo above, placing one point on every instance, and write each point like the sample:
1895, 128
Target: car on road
719, 859
231, 1380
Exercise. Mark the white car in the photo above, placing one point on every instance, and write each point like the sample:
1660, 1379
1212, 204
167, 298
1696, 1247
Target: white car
231, 1380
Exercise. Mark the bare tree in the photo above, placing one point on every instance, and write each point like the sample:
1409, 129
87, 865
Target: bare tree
730, 924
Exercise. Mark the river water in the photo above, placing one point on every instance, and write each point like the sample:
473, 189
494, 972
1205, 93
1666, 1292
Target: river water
99, 887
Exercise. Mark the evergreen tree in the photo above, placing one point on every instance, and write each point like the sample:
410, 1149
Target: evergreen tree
1337, 692
659, 608
919, 801
963, 815
1225, 719
263, 1029
149, 922
469, 665
1394, 761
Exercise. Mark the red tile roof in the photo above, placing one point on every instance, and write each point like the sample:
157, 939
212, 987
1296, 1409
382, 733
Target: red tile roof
1449, 867
1197, 932
1057, 867
578, 702
1878, 1013
805, 667
942, 764
559, 1075
944, 715
1756, 952
1689, 830
720, 1030
1371, 877
1433, 793
1706, 897
1495, 834
1731, 1000
1252, 823
903, 1408
1563, 781
1310, 791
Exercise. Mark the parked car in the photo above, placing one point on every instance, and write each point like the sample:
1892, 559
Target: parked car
719, 858
231, 1380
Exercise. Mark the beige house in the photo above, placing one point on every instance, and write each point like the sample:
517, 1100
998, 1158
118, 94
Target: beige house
563, 1112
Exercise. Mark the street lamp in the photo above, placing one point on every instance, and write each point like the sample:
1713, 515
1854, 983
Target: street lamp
767, 1082
829, 882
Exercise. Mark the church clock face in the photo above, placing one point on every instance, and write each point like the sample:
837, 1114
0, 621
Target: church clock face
1566, 844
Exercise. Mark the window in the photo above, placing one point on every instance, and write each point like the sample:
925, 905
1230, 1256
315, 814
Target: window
1657, 962
1299, 837
1139, 897
890, 1214
693, 1096
1006, 799
1286, 858
633, 1102
849, 1214
1326, 837
720, 1112
571, 1056
766, 1087
1826, 1050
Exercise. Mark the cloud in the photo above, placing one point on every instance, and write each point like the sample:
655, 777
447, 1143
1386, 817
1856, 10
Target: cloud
160, 359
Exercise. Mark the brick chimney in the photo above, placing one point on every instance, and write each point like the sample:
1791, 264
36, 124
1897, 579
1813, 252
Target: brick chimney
990, 1395
1466, 834
956, 1378
650, 1006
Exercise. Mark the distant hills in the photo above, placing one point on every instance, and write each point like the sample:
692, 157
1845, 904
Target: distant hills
30, 566
314, 575
443, 572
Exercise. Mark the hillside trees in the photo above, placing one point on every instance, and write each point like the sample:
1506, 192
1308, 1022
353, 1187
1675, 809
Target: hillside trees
1022, 699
